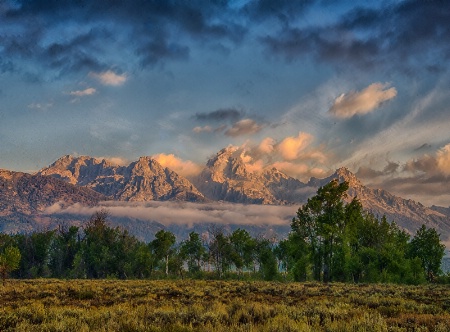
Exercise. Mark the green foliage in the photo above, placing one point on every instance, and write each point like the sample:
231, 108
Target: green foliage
243, 249
9, 261
330, 241
162, 248
427, 247
193, 251
334, 241
220, 251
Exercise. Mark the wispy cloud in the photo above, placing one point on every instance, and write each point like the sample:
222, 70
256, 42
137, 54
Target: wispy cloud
204, 129
244, 127
110, 78
362, 102
85, 92
184, 213
41, 106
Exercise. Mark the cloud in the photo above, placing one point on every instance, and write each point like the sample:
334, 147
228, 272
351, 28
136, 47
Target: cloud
432, 165
185, 168
110, 78
220, 115
291, 147
365, 38
267, 145
118, 161
243, 127
443, 160
185, 213
85, 92
299, 170
205, 129
160, 48
293, 155
41, 106
362, 102
366, 172
425, 179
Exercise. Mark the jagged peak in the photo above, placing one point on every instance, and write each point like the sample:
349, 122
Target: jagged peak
343, 173
273, 171
224, 155
69, 159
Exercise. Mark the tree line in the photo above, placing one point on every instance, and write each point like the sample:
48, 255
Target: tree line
330, 240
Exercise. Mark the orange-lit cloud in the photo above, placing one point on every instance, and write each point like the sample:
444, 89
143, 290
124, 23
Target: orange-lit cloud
293, 155
300, 170
362, 102
185, 168
443, 159
267, 145
110, 78
118, 161
290, 147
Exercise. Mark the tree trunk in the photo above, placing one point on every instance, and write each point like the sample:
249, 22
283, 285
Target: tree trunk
167, 265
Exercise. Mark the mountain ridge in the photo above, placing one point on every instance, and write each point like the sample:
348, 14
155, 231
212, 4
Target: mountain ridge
141, 180
225, 177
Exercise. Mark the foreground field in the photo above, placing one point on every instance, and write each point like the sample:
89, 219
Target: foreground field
106, 305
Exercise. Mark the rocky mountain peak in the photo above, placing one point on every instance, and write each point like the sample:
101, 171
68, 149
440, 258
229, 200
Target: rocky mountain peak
78, 170
226, 164
142, 180
344, 174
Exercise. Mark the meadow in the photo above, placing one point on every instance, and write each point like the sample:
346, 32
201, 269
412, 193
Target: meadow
204, 305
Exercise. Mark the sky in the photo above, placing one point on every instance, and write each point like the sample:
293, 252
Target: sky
305, 86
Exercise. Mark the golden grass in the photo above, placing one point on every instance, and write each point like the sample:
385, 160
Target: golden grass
195, 305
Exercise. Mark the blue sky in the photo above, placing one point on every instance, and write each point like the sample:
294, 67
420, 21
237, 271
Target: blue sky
305, 86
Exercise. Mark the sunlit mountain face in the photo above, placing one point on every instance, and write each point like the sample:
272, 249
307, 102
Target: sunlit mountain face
303, 87
145, 197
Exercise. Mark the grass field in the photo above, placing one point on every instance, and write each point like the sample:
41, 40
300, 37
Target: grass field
188, 305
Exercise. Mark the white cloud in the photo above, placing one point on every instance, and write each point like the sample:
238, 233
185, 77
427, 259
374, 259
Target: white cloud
362, 102
185, 213
110, 78
85, 92
185, 168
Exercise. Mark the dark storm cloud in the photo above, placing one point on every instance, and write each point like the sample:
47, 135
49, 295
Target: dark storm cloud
160, 48
221, 115
283, 10
409, 35
155, 31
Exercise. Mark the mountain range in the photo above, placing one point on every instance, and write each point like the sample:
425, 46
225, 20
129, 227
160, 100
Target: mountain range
88, 181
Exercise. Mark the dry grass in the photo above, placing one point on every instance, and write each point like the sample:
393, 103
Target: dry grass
193, 305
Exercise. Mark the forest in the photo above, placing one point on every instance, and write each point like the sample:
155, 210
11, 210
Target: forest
330, 241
